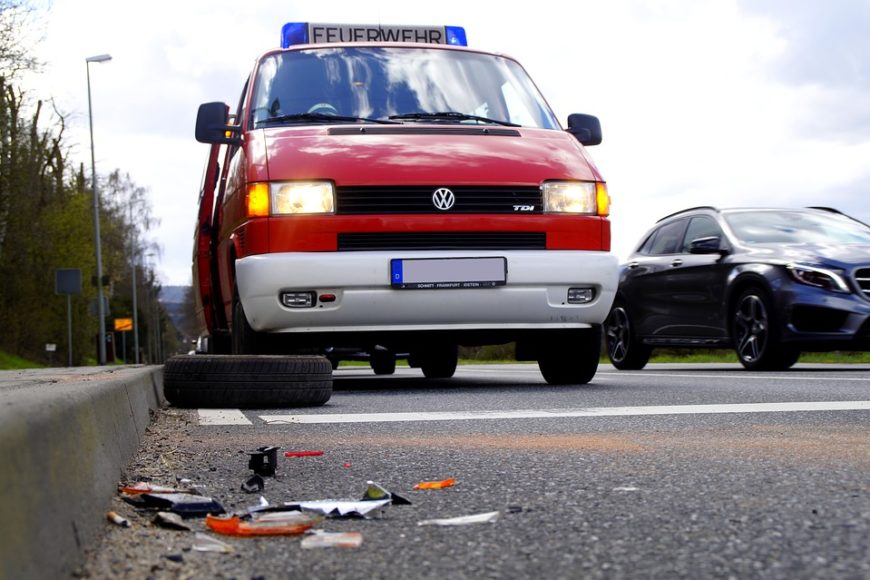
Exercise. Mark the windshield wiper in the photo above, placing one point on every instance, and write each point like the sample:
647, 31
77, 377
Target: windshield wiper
452, 116
324, 118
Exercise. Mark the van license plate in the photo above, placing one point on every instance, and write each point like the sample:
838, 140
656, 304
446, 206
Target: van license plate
446, 273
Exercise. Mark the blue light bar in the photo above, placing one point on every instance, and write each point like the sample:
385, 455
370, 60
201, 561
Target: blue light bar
294, 33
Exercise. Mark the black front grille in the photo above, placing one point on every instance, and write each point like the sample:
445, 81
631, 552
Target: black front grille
862, 279
443, 241
368, 200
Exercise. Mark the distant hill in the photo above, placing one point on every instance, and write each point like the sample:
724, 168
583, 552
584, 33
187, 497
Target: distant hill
172, 299
172, 294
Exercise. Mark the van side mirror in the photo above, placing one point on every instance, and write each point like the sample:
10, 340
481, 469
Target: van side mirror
212, 127
585, 128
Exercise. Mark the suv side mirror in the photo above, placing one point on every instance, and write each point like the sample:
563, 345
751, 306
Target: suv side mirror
212, 127
707, 245
585, 128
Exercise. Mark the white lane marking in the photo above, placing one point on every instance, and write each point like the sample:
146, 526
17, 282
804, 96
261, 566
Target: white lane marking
223, 417
563, 413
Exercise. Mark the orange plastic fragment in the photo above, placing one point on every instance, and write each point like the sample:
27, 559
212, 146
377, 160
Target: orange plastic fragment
289, 524
436, 484
142, 487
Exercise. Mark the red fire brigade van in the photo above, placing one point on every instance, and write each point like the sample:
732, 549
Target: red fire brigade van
387, 190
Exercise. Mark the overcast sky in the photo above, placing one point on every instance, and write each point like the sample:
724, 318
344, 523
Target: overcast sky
719, 102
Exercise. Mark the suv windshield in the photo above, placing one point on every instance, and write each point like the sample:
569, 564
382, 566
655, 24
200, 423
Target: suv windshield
796, 227
410, 85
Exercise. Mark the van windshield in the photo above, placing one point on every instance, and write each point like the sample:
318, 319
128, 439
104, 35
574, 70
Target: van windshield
408, 85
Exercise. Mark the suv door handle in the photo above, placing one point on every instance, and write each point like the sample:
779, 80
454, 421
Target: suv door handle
633, 265
677, 262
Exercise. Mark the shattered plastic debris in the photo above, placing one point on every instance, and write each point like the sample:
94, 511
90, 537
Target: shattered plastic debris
205, 543
254, 485
116, 519
462, 520
143, 487
171, 521
321, 539
376, 491
340, 508
303, 453
287, 523
264, 461
375, 497
183, 504
436, 484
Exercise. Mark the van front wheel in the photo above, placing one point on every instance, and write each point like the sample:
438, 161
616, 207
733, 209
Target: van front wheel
571, 357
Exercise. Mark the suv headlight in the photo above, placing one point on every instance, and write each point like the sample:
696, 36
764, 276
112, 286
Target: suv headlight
578, 197
302, 197
819, 277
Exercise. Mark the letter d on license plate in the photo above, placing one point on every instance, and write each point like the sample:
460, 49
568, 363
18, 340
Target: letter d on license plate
445, 273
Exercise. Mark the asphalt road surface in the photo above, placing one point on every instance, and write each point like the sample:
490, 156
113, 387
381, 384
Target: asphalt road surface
676, 471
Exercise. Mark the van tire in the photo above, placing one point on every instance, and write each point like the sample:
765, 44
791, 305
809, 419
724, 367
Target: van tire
571, 357
438, 361
247, 382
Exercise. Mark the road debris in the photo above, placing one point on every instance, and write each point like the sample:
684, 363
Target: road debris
462, 520
320, 539
254, 485
264, 461
376, 491
116, 519
450, 482
205, 543
340, 508
303, 453
285, 523
184, 504
143, 487
171, 521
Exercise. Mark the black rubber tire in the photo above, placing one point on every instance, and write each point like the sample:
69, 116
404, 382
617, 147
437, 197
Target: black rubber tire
756, 334
252, 382
439, 361
623, 349
571, 357
383, 363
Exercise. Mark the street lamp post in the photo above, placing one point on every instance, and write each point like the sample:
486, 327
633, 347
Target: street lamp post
134, 257
100, 308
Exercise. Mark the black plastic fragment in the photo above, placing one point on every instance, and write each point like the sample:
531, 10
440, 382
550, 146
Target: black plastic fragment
264, 461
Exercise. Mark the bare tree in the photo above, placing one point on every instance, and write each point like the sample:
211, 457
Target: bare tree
16, 17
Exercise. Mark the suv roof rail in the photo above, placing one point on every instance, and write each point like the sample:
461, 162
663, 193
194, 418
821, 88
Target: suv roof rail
836, 211
710, 207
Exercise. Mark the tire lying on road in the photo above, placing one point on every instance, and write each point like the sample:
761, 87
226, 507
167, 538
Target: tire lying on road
247, 381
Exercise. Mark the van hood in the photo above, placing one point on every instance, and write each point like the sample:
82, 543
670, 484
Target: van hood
420, 155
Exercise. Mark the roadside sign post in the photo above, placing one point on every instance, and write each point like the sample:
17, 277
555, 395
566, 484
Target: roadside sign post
68, 281
124, 325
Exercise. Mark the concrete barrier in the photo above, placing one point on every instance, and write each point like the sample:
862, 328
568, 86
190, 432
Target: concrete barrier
65, 437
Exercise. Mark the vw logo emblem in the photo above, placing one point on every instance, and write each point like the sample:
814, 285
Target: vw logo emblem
443, 198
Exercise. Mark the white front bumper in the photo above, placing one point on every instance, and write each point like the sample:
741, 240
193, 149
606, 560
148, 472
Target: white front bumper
535, 295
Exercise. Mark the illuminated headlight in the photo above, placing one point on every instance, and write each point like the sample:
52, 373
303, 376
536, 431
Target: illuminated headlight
300, 197
819, 277
581, 197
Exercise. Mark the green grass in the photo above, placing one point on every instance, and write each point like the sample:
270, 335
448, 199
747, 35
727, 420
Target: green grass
12, 362
728, 356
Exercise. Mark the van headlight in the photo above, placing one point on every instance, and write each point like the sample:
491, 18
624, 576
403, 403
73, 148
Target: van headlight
302, 197
578, 197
